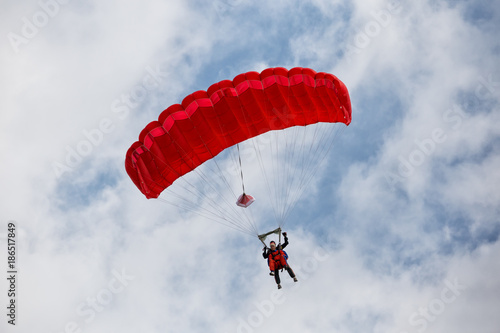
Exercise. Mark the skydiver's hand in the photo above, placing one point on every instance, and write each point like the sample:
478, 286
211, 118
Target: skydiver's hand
264, 249
284, 234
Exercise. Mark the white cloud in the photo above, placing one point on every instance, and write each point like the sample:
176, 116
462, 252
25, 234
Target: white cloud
391, 245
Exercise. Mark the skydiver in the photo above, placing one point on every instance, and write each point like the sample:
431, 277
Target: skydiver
277, 260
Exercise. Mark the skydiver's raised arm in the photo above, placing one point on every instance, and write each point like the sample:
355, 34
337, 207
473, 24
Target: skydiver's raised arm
286, 241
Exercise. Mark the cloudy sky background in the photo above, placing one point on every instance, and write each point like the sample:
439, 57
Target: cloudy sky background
400, 232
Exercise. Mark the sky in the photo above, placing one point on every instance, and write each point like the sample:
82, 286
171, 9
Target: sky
398, 232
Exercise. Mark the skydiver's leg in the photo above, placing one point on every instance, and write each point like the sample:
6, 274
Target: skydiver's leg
277, 276
271, 267
282, 262
290, 271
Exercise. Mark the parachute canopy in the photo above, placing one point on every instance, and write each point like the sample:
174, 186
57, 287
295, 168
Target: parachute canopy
230, 112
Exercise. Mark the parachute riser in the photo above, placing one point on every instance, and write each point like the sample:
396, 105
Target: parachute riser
241, 168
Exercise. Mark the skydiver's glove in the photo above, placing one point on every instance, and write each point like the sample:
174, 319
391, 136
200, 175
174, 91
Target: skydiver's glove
264, 249
284, 234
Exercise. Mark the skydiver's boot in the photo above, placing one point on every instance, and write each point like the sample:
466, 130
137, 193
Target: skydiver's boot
295, 279
279, 286
272, 273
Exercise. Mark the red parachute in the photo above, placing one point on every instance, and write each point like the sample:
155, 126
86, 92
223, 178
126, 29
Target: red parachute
230, 112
